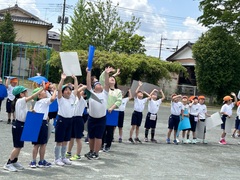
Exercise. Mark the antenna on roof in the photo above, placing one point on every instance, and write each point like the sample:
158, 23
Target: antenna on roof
16, 3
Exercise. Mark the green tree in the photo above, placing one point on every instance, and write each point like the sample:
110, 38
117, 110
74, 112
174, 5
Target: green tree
134, 66
99, 24
221, 13
217, 57
7, 35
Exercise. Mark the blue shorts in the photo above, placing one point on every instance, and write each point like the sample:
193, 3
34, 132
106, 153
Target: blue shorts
120, 119
52, 115
77, 127
237, 122
150, 123
193, 123
43, 134
224, 117
173, 122
10, 108
63, 129
17, 129
96, 127
136, 118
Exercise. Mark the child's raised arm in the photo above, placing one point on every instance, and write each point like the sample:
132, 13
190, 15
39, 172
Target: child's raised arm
75, 85
63, 77
107, 71
139, 85
88, 79
130, 94
163, 95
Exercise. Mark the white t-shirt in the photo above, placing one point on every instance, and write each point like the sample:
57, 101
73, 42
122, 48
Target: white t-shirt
154, 105
96, 109
42, 106
122, 107
195, 109
176, 108
202, 111
139, 104
21, 109
238, 111
66, 107
227, 109
9, 91
80, 106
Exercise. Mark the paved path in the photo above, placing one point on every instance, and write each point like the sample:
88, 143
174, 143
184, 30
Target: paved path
139, 161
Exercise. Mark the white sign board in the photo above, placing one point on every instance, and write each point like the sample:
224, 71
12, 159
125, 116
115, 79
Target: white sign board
200, 129
213, 121
70, 63
228, 125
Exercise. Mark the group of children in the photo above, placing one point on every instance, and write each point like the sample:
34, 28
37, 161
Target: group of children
70, 122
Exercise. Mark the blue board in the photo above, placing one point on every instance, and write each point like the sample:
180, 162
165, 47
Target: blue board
32, 126
112, 118
53, 106
3, 91
90, 56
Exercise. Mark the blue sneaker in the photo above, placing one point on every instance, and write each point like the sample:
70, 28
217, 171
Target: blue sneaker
168, 141
44, 163
33, 164
175, 142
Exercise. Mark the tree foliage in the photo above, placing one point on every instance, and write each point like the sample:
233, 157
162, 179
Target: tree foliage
224, 13
135, 66
217, 58
98, 23
7, 35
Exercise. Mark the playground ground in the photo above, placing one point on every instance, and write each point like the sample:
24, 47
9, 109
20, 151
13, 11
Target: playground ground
138, 161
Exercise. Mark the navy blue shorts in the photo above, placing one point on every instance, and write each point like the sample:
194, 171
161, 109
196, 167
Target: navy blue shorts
96, 127
193, 123
43, 134
136, 118
52, 115
77, 127
224, 117
237, 122
10, 108
120, 119
150, 123
63, 129
17, 129
173, 122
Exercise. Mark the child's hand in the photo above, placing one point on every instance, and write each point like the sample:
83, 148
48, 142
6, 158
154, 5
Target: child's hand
63, 76
109, 69
43, 85
118, 72
140, 83
233, 94
74, 77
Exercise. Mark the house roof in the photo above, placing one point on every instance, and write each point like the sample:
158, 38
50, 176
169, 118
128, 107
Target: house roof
28, 19
187, 45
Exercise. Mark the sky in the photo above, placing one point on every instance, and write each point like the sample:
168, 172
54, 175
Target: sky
173, 21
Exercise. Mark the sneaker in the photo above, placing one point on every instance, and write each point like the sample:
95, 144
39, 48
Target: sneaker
9, 121
106, 149
44, 163
175, 142
205, 141
89, 155
145, 139
18, 166
10, 167
1, 120
66, 161
137, 140
120, 140
86, 140
75, 158
233, 135
188, 141
222, 141
13, 121
95, 156
184, 141
131, 140
59, 162
33, 164
68, 154
168, 141
154, 140
194, 141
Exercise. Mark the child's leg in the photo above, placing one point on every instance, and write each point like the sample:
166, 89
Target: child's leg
35, 151
152, 133
79, 146
120, 132
175, 134
14, 154
91, 144
70, 145
146, 133
183, 134
223, 134
188, 134
97, 145
169, 133
137, 131
64, 149
131, 130
194, 134
57, 150
42, 151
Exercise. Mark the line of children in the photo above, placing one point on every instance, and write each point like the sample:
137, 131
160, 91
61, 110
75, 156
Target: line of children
151, 118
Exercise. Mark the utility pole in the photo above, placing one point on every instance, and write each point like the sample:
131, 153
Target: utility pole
62, 22
160, 48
